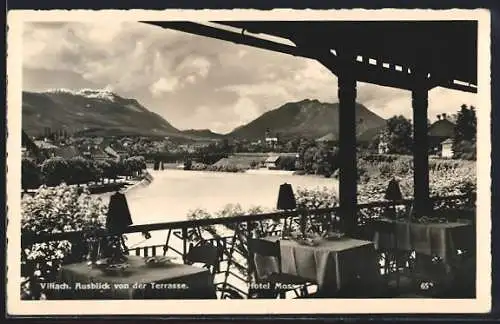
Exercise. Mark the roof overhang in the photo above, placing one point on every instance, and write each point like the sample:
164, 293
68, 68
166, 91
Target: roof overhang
384, 52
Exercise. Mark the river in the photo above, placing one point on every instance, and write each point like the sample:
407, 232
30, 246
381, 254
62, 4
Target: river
174, 193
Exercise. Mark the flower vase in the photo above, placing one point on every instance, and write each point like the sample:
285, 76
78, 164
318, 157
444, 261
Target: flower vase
94, 251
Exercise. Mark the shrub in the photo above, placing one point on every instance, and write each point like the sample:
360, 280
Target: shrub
56, 210
31, 176
286, 163
199, 166
188, 164
227, 168
315, 198
55, 171
386, 169
82, 170
110, 169
465, 150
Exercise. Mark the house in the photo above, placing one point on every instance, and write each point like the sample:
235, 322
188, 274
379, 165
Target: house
119, 149
447, 148
98, 140
329, 138
440, 131
68, 152
383, 147
30, 149
47, 148
271, 141
272, 162
112, 153
97, 153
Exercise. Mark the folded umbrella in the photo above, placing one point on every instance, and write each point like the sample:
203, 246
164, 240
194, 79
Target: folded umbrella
286, 198
118, 217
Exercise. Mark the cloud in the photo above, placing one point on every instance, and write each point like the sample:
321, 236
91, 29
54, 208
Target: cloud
164, 85
199, 66
246, 110
223, 119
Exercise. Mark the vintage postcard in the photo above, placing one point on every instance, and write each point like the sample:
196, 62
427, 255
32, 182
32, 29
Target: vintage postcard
248, 162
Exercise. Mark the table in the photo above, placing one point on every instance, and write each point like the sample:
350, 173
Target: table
169, 281
432, 239
333, 265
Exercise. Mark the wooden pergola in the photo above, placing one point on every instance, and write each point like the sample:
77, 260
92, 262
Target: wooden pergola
411, 55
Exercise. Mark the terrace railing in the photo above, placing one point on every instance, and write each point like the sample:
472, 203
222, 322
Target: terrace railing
230, 234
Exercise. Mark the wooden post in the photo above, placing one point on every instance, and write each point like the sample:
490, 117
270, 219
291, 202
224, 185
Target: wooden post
347, 143
420, 144
184, 243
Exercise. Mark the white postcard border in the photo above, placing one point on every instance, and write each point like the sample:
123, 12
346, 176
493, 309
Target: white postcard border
15, 306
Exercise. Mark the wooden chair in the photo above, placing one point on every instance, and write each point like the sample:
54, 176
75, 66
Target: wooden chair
393, 257
209, 256
206, 254
264, 248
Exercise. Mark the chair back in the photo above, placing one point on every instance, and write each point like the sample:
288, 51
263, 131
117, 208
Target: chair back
385, 234
264, 247
384, 226
264, 251
207, 254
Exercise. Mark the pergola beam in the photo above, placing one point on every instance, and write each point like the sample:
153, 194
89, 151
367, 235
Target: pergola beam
238, 38
374, 74
365, 72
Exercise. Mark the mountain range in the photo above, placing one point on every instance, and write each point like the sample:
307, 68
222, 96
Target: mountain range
104, 113
307, 118
90, 112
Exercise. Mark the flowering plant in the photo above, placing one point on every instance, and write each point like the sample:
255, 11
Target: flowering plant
56, 210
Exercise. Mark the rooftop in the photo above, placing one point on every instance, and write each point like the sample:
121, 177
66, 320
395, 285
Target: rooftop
382, 46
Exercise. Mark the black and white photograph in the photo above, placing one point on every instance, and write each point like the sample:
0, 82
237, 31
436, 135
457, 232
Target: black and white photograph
227, 162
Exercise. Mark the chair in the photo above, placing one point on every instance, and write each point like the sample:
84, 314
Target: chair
392, 255
207, 254
210, 256
267, 249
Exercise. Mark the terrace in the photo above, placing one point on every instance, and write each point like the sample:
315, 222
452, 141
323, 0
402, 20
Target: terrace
233, 270
406, 55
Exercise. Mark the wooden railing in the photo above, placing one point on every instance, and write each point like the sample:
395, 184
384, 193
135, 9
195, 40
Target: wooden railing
230, 234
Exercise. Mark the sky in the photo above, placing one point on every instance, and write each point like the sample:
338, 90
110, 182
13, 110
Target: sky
194, 82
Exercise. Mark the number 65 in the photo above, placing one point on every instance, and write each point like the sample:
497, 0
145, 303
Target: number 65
426, 285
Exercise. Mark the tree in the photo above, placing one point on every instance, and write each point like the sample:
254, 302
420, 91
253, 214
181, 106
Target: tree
466, 124
292, 145
103, 169
31, 176
464, 138
111, 170
303, 146
309, 160
399, 134
321, 161
55, 170
82, 170
188, 164
134, 165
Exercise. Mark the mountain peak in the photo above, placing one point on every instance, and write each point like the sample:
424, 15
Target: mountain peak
104, 94
307, 100
91, 111
207, 133
306, 118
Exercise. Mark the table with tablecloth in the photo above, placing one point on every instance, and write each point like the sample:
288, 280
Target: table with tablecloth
140, 281
441, 240
332, 265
